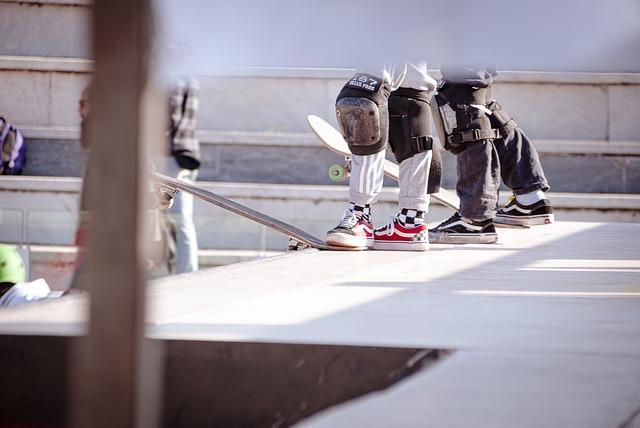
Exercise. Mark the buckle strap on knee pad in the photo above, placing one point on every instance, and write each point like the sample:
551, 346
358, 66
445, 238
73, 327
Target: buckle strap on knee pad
473, 135
422, 143
506, 129
505, 123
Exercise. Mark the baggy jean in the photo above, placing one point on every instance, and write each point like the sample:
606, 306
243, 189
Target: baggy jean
182, 214
482, 164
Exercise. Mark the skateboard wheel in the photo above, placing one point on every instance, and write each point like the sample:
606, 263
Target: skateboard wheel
337, 172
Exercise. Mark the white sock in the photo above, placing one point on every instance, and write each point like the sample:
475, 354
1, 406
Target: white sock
531, 197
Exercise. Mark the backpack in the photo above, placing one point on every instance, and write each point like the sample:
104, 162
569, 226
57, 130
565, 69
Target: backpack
13, 149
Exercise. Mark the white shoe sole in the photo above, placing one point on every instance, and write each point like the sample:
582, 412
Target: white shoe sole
463, 238
400, 246
538, 220
344, 240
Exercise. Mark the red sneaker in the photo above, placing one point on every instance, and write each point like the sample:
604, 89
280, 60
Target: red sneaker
395, 236
352, 231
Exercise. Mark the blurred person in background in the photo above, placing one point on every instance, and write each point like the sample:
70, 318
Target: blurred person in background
183, 163
14, 289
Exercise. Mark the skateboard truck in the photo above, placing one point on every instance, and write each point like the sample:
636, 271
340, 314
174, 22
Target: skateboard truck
295, 245
339, 172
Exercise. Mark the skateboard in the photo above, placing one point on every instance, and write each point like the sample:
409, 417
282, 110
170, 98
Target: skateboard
295, 234
332, 138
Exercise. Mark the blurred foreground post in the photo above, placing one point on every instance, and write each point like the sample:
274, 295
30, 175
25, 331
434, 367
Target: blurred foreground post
115, 373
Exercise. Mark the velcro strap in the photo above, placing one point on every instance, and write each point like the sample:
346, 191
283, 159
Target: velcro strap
421, 143
508, 127
474, 135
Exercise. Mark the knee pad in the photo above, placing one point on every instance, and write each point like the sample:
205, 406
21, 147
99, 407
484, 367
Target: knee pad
500, 119
409, 123
461, 116
362, 113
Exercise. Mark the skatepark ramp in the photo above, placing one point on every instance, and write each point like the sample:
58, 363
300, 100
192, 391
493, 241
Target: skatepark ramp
541, 329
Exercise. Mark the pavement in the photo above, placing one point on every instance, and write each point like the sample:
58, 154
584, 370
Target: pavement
543, 327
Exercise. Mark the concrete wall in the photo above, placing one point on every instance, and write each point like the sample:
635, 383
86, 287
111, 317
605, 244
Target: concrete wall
51, 28
559, 106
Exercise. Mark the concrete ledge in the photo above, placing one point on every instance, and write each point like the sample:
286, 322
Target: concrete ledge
50, 64
85, 65
40, 184
304, 139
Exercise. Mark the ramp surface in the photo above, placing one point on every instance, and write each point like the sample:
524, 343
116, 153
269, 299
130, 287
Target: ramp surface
545, 324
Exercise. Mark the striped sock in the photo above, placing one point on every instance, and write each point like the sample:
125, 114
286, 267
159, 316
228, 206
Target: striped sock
361, 211
410, 218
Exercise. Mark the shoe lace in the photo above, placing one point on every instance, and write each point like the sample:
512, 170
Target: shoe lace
391, 226
349, 219
451, 219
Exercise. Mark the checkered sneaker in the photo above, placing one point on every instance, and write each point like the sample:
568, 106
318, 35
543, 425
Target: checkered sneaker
395, 236
361, 211
408, 217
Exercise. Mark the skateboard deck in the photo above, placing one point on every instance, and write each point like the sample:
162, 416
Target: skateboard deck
292, 232
332, 138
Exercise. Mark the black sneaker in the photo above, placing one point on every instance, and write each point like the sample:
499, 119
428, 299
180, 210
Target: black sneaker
525, 215
458, 230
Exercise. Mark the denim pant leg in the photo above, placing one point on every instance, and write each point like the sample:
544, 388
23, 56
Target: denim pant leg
182, 214
478, 180
520, 165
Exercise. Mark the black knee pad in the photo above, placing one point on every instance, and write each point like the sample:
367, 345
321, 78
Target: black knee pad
458, 112
409, 123
362, 113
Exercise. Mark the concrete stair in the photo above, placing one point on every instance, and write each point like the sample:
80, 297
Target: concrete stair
42, 212
253, 122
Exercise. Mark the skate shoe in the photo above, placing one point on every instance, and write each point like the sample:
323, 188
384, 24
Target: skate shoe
525, 215
352, 231
459, 230
395, 236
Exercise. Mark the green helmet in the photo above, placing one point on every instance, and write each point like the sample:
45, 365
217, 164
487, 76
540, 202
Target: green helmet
11, 266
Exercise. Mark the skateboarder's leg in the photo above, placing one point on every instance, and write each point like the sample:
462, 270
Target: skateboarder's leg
521, 171
362, 113
462, 121
411, 141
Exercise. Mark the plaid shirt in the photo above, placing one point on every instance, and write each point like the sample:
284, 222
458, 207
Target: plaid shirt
183, 108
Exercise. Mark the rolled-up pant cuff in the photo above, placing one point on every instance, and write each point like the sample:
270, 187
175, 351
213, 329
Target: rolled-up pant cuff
413, 203
544, 186
361, 199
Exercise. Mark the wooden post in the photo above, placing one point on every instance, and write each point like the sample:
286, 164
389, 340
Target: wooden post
116, 372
